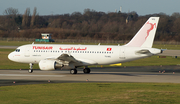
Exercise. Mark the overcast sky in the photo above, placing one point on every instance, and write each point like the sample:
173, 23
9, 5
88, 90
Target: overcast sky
48, 7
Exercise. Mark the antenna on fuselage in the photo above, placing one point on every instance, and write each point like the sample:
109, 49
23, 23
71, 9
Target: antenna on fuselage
99, 44
33, 43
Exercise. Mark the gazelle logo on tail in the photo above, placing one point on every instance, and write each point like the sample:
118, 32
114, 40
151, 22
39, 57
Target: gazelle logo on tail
145, 36
152, 27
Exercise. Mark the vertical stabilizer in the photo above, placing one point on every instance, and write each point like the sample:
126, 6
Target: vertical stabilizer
145, 36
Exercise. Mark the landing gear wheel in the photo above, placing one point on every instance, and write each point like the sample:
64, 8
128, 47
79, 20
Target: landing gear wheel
30, 70
73, 71
86, 70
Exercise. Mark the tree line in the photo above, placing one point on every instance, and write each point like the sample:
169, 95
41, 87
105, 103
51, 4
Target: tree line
88, 25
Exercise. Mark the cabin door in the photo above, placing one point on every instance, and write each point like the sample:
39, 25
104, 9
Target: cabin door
27, 51
122, 53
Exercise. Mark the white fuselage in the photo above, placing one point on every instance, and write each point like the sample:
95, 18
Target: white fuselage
88, 54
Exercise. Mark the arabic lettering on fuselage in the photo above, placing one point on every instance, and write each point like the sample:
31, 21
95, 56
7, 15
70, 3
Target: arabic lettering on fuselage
73, 48
43, 47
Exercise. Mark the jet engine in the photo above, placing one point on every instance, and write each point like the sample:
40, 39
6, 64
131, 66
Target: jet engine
49, 65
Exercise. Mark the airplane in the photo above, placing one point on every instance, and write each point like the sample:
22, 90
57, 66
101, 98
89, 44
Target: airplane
56, 56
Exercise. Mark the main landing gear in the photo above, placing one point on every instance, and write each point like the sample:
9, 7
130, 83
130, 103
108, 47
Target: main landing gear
85, 70
31, 66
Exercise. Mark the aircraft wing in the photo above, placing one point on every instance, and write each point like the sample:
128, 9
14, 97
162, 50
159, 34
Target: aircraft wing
69, 58
77, 62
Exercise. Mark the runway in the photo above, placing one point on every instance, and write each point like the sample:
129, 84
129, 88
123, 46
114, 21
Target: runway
156, 74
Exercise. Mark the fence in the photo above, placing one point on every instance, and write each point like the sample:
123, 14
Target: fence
90, 41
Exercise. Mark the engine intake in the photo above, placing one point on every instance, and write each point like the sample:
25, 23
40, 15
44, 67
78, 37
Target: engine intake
49, 65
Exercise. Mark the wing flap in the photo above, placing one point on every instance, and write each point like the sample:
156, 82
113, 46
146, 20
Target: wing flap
69, 58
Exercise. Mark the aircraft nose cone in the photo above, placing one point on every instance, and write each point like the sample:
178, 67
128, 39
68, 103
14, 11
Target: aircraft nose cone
10, 56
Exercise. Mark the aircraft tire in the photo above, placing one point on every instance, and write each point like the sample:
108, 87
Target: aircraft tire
73, 71
86, 70
30, 70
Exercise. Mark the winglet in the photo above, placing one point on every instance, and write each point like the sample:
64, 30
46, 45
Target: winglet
145, 36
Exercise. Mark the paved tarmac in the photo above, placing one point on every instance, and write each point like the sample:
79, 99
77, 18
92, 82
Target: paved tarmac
156, 74
8, 47
170, 53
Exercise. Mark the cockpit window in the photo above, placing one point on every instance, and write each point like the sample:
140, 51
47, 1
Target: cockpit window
17, 50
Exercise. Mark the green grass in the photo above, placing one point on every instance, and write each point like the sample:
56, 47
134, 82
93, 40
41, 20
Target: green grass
14, 43
154, 61
91, 93
19, 43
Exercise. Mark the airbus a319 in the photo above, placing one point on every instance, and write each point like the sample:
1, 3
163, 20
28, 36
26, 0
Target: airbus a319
56, 56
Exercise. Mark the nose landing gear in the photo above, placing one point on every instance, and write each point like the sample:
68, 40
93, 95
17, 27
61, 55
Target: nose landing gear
31, 68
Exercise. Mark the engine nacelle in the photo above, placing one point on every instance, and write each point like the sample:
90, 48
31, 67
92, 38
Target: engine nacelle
49, 65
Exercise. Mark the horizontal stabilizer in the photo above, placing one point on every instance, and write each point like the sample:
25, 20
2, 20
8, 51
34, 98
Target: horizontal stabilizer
144, 51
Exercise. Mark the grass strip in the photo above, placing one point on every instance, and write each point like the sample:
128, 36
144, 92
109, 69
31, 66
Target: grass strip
91, 93
19, 43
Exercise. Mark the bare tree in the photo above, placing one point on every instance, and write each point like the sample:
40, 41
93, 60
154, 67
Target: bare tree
25, 20
176, 15
11, 11
9, 20
33, 17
